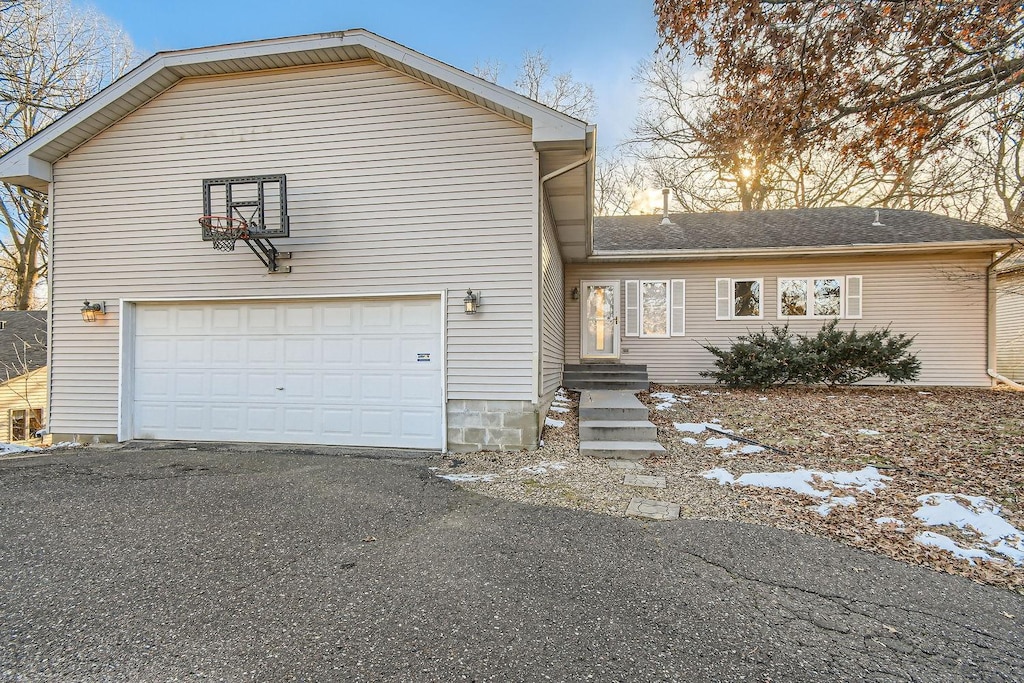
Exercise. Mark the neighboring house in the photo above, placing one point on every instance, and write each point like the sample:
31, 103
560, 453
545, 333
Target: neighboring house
392, 184
23, 376
1010, 320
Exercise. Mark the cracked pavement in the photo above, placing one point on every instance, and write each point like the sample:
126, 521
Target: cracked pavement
156, 562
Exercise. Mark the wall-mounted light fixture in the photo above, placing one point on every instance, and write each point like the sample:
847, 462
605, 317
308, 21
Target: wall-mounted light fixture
90, 311
575, 293
472, 302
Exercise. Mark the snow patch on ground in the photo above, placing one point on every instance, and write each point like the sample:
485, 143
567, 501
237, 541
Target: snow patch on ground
974, 515
881, 521
10, 448
545, 466
722, 476
946, 543
549, 422
691, 427
559, 409
690, 440
868, 432
844, 501
468, 477
667, 399
722, 442
803, 481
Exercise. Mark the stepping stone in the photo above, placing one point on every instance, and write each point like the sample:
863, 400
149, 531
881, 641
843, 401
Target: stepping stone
645, 481
652, 509
624, 465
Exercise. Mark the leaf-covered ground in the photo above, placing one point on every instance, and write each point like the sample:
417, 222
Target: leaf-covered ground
948, 441
942, 440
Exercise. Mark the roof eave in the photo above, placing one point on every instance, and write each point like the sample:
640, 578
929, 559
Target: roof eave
29, 164
783, 252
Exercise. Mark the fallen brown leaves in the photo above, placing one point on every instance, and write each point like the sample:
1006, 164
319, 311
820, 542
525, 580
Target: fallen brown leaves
966, 441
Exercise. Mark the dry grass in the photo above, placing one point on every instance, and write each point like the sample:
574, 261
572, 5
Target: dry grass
966, 441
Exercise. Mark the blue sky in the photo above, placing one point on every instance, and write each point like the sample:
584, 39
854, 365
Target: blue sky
600, 41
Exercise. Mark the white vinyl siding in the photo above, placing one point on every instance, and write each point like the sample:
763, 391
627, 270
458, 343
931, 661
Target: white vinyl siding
394, 187
909, 294
552, 307
1010, 325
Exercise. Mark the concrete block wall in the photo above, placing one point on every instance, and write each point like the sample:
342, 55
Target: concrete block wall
492, 425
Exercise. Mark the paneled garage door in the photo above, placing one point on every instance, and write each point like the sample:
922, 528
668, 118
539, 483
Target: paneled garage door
360, 373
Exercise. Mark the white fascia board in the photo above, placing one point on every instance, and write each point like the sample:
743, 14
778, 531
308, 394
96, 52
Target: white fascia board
40, 171
26, 171
548, 124
783, 252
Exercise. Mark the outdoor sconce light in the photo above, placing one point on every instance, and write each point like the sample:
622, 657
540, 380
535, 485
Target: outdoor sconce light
575, 293
90, 311
472, 302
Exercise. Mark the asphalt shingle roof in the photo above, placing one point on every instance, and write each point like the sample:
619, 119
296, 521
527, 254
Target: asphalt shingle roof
821, 227
22, 342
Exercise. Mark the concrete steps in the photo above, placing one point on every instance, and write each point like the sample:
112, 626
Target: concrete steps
621, 450
617, 430
605, 376
614, 424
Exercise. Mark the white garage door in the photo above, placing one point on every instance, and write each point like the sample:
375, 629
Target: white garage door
360, 373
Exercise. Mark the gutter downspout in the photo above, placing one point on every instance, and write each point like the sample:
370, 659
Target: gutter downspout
990, 321
538, 379
1005, 380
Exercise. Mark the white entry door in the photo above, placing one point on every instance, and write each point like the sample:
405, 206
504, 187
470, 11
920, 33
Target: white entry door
358, 373
600, 320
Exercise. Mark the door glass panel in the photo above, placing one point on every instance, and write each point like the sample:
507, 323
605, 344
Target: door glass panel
601, 330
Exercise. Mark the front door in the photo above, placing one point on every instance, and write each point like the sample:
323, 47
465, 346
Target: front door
600, 317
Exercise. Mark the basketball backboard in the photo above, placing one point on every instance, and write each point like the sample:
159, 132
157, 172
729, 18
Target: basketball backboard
260, 201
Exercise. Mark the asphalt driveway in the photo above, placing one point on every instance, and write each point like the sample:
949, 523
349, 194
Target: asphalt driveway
234, 563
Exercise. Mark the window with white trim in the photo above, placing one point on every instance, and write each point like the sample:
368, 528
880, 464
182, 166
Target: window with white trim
738, 298
820, 297
813, 297
655, 308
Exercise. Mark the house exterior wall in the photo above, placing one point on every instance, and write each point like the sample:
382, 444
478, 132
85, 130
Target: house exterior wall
27, 392
922, 295
1010, 325
394, 187
553, 307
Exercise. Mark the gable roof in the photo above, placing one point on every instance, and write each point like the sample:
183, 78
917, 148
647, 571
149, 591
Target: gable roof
22, 343
29, 164
820, 229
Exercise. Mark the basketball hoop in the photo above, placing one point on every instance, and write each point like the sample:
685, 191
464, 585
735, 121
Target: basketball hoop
224, 231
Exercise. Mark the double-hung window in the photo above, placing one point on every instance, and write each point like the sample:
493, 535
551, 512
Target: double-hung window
655, 308
820, 297
739, 298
